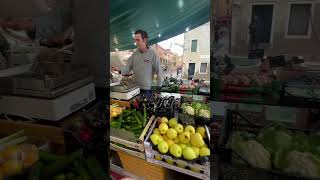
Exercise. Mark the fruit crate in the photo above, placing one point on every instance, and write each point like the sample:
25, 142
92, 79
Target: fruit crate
192, 168
236, 121
133, 148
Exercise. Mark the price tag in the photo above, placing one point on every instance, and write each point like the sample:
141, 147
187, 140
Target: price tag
282, 114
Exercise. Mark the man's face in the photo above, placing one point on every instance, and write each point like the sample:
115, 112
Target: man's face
140, 43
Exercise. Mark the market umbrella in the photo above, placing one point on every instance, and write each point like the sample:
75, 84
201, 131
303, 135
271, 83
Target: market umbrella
160, 19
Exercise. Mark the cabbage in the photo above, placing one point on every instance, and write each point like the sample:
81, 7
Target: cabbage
304, 164
204, 113
251, 150
189, 110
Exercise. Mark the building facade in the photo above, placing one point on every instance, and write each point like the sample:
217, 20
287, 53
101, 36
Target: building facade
284, 27
196, 53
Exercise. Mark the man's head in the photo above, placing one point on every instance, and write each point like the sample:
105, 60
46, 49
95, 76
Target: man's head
141, 39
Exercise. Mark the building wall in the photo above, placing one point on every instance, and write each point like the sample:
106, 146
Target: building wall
202, 34
280, 44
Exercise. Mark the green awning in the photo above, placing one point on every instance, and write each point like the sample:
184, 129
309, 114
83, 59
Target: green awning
162, 19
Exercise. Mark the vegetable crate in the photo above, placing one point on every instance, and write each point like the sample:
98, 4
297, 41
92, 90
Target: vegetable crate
194, 169
232, 165
133, 148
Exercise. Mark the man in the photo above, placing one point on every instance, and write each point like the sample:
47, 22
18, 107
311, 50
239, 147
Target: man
89, 22
144, 63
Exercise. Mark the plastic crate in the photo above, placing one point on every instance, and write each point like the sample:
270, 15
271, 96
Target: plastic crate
235, 121
153, 157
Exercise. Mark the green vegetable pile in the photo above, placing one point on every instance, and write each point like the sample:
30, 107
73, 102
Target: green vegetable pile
196, 109
133, 121
66, 167
276, 147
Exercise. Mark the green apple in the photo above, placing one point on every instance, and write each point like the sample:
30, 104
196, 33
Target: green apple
189, 154
178, 128
196, 150
181, 165
195, 169
189, 144
169, 161
163, 147
163, 128
164, 120
173, 122
165, 137
155, 139
170, 142
156, 131
161, 139
176, 140
184, 137
158, 157
204, 152
171, 133
176, 150
202, 131
190, 129
197, 140
183, 146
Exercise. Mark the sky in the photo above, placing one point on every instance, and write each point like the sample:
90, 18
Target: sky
171, 44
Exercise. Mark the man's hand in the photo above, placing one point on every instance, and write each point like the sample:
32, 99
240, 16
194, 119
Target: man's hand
18, 24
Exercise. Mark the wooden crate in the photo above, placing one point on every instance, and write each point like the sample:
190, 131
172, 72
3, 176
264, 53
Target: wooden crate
137, 146
120, 103
142, 168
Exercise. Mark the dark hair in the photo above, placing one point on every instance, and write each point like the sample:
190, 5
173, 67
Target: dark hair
144, 35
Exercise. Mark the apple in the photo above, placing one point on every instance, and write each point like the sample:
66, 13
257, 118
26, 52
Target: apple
164, 120
195, 169
176, 140
178, 128
176, 150
204, 151
155, 139
170, 142
202, 131
156, 131
183, 146
169, 161
163, 147
190, 129
197, 140
163, 128
171, 133
184, 137
165, 137
189, 154
196, 150
173, 122
158, 157
181, 165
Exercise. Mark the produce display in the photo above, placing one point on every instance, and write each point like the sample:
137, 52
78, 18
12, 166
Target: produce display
130, 120
16, 156
237, 79
182, 142
115, 110
276, 147
196, 109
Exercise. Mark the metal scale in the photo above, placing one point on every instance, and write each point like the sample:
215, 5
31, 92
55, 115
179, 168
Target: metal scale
35, 94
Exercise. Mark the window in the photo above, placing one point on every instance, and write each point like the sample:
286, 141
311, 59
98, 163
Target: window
203, 68
299, 16
194, 44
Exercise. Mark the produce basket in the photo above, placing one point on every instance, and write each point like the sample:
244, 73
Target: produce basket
133, 148
196, 118
233, 165
199, 167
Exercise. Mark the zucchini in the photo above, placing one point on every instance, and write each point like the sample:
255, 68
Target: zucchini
95, 169
58, 166
129, 113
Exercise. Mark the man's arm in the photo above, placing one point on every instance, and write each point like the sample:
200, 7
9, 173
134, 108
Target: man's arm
158, 70
128, 67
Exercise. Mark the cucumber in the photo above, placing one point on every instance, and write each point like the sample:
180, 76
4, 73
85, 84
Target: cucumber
129, 113
95, 169
59, 165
